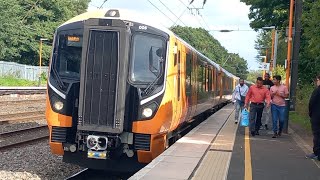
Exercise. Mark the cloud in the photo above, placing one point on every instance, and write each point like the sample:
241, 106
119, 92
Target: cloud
216, 15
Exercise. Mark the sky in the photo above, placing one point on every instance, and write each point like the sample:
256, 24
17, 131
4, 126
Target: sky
215, 15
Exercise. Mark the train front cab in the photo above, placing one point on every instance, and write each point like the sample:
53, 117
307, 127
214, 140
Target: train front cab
91, 114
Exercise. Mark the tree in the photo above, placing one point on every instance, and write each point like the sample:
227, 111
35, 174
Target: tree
24, 22
262, 14
279, 70
309, 64
200, 39
268, 13
264, 43
253, 74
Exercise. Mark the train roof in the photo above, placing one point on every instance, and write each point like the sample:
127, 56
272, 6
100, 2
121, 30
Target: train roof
133, 16
124, 14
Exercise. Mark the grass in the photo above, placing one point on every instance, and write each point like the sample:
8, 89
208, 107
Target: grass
12, 81
301, 120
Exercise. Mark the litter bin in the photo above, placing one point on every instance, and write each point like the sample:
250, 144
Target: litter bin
286, 117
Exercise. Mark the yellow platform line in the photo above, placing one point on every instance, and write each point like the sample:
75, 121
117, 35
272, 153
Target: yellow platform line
247, 156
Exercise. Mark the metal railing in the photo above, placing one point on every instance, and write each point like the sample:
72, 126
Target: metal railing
21, 71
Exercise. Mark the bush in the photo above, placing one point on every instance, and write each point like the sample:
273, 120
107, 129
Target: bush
302, 99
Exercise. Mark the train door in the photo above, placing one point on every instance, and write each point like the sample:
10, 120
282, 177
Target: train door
177, 85
221, 84
183, 85
188, 81
194, 82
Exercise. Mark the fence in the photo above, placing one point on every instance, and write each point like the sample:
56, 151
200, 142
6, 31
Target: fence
21, 71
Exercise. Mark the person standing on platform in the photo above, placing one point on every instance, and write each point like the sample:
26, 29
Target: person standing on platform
266, 115
314, 114
278, 94
257, 95
238, 96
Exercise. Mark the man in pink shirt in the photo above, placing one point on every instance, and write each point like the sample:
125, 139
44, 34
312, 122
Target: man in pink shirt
278, 94
257, 95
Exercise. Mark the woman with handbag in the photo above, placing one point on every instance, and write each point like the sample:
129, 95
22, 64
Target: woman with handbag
238, 97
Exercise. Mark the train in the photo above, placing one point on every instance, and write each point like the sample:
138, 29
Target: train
120, 90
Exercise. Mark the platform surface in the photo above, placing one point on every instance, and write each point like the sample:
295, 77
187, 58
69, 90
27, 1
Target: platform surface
219, 149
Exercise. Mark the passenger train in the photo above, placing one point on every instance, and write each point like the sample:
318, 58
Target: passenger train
120, 90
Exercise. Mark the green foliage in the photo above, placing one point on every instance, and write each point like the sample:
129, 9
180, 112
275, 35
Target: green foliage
264, 43
300, 116
303, 95
44, 76
301, 120
252, 76
279, 70
24, 22
268, 13
11, 80
262, 14
309, 62
200, 39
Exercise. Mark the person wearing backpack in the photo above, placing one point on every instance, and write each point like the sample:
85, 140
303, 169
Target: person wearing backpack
238, 97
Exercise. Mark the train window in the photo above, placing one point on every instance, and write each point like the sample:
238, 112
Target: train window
67, 53
200, 78
175, 56
210, 79
204, 78
213, 80
188, 71
147, 53
219, 81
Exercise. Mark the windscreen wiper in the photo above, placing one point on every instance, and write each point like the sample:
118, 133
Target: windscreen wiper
149, 88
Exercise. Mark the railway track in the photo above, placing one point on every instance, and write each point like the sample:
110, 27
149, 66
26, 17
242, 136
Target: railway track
22, 136
22, 102
98, 175
22, 90
23, 116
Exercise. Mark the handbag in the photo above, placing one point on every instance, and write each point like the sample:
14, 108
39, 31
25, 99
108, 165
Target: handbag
242, 98
245, 118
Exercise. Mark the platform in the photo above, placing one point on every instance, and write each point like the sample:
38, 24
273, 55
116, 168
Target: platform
220, 149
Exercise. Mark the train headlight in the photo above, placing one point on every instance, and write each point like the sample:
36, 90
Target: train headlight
147, 112
58, 105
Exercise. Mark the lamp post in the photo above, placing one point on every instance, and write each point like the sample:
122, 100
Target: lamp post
289, 43
40, 58
274, 46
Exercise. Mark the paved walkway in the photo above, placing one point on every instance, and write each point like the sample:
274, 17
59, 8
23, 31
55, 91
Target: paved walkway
218, 149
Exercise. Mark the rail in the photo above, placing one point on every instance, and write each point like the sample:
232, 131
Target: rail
23, 116
23, 136
22, 102
99, 174
22, 90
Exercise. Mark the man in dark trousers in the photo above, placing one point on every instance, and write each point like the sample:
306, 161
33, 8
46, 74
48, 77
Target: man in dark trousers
266, 115
257, 95
314, 114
